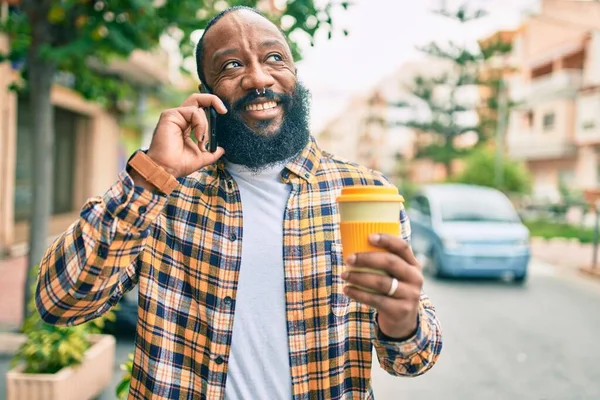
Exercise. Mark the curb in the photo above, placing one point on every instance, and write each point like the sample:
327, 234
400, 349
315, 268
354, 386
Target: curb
10, 342
593, 272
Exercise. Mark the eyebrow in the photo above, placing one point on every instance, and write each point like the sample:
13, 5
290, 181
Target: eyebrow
222, 53
226, 52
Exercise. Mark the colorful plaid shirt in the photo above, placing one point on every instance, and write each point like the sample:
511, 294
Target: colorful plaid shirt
183, 252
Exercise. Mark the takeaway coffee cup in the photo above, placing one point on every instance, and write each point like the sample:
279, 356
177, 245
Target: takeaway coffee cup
365, 210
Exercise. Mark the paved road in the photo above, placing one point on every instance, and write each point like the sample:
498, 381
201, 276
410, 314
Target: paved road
539, 342
501, 341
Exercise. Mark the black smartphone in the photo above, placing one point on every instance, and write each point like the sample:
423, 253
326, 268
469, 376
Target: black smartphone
211, 116
212, 130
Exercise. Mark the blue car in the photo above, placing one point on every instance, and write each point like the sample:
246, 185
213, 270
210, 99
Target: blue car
468, 231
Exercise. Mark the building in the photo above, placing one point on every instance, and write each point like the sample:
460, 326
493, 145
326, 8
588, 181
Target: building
90, 148
369, 129
555, 128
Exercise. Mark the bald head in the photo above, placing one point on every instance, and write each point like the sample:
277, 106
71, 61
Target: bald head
245, 15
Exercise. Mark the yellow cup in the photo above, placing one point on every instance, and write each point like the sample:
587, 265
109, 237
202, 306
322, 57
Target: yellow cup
365, 210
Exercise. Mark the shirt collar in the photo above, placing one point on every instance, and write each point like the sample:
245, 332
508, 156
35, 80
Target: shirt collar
304, 165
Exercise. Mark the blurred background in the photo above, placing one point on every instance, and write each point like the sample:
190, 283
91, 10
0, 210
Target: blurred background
484, 113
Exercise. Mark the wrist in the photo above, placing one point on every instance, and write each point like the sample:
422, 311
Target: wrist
169, 170
139, 180
148, 174
398, 331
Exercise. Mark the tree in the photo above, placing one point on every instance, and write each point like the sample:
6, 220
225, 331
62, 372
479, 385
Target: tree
479, 170
439, 102
76, 36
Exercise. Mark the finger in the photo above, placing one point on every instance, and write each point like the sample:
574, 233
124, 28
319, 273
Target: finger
391, 263
211, 158
182, 117
382, 284
205, 100
199, 125
380, 302
395, 245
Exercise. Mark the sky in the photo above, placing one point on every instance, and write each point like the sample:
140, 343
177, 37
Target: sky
382, 36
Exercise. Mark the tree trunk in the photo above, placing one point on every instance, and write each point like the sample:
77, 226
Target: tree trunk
449, 144
41, 73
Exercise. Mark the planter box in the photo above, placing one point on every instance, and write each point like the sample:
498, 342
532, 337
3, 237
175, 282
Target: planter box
82, 382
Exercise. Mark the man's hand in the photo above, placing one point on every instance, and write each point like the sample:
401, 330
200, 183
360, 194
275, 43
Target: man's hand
397, 314
172, 146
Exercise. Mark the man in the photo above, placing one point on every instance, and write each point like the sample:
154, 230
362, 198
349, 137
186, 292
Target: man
241, 287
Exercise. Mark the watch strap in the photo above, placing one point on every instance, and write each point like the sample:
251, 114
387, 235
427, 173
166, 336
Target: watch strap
153, 173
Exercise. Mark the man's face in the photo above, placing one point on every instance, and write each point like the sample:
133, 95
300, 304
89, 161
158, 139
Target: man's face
243, 53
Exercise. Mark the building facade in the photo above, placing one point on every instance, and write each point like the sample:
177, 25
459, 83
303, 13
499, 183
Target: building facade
555, 126
90, 149
370, 131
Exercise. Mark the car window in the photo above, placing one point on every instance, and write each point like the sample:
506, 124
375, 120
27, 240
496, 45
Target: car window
484, 206
421, 204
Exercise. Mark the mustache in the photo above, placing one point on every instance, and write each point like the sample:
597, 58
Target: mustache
269, 94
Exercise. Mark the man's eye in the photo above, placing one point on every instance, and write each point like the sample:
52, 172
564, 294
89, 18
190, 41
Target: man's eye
232, 64
275, 58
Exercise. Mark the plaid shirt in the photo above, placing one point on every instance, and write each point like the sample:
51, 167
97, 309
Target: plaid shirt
184, 253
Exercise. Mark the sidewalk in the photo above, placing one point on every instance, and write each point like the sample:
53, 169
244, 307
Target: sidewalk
12, 282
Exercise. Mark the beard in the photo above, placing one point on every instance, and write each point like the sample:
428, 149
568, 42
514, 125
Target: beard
258, 151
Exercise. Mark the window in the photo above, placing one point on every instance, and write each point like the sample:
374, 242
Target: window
548, 122
65, 125
529, 119
477, 206
421, 204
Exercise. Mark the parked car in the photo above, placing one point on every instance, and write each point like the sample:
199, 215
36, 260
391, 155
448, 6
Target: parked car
468, 231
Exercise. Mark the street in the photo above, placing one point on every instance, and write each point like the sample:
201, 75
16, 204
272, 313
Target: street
502, 341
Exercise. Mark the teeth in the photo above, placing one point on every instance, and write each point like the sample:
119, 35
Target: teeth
262, 106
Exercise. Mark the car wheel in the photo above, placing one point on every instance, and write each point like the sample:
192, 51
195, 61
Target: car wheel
520, 279
432, 265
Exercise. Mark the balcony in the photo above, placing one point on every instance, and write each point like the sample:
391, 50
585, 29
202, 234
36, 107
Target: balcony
530, 146
588, 119
560, 84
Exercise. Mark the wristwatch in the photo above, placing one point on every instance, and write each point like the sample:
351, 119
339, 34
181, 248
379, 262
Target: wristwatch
152, 172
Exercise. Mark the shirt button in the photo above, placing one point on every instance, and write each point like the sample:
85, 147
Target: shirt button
307, 175
219, 360
227, 300
229, 184
233, 237
142, 209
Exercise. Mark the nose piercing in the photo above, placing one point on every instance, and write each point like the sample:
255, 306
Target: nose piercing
263, 91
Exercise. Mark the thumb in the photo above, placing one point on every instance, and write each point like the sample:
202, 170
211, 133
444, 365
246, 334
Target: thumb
207, 158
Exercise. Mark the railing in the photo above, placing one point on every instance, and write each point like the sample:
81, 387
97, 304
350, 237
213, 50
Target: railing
563, 82
531, 146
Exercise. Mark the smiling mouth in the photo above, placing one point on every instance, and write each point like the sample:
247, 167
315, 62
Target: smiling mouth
261, 106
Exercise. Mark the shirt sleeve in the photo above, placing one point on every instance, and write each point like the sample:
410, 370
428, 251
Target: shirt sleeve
90, 266
417, 354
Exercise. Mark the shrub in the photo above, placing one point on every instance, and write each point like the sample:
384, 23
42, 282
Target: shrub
480, 170
50, 348
549, 229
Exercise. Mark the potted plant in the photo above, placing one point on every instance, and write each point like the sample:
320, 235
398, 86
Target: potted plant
57, 362
122, 389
